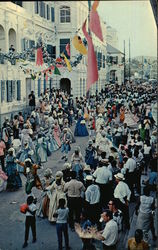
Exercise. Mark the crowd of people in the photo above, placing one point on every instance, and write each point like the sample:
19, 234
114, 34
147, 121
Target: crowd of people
97, 183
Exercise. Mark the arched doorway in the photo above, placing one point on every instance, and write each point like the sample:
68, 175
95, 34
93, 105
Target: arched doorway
12, 38
2, 39
65, 84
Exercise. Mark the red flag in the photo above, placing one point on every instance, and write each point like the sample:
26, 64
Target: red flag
68, 49
39, 60
94, 24
92, 70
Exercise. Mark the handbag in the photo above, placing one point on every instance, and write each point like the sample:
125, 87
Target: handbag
23, 208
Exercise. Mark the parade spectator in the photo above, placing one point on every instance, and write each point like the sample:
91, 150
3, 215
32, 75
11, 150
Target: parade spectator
122, 193
74, 189
2, 153
32, 101
30, 220
109, 235
92, 198
145, 220
62, 224
137, 242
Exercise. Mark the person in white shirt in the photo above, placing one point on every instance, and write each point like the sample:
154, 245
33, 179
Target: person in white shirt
30, 220
92, 198
103, 178
130, 173
109, 235
122, 193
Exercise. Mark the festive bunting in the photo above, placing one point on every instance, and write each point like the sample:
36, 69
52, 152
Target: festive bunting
39, 60
94, 24
67, 62
68, 49
78, 44
92, 70
56, 71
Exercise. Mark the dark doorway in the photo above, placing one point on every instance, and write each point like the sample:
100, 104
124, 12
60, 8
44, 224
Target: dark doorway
65, 84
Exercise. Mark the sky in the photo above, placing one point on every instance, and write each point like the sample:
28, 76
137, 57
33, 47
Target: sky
134, 20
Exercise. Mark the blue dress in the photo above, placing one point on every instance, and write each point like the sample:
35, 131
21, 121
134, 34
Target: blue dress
14, 180
80, 129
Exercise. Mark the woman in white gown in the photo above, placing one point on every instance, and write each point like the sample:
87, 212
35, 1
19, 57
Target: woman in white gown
56, 193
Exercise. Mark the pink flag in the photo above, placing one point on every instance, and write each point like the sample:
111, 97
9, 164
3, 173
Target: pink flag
94, 24
68, 49
39, 60
92, 70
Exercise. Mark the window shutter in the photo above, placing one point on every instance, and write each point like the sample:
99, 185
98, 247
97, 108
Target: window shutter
9, 91
44, 9
2, 91
39, 87
31, 44
18, 90
23, 44
48, 12
13, 89
41, 9
44, 86
36, 7
52, 14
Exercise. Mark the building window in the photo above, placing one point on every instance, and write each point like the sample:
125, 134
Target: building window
103, 61
48, 12
18, 90
52, 14
39, 87
52, 51
17, 3
80, 87
84, 87
63, 43
50, 83
2, 91
65, 14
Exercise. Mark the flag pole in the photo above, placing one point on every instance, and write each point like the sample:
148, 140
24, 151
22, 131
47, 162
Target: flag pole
89, 32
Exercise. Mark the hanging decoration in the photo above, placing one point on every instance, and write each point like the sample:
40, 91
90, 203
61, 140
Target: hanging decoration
94, 24
67, 62
78, 44
92, 69
68, 49
56, 71
39, 59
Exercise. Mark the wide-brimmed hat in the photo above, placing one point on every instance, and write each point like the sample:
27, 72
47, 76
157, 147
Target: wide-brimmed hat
59, 175
28, 160
89, 178
83, 122
48, 173
90, 142
67, 165
87, 168
119, 176
11, 150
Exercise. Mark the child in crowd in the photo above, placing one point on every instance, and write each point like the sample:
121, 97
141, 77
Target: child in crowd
61, 224
30, 220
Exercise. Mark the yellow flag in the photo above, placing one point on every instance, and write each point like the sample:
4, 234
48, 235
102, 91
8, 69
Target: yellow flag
78, 44
67, 62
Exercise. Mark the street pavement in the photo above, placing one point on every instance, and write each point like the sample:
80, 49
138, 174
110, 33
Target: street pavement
12, 221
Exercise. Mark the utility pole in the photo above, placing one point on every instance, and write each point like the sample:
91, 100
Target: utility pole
124, 62
129, 60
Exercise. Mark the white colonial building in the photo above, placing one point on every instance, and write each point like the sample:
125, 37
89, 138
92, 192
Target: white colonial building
21, 24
